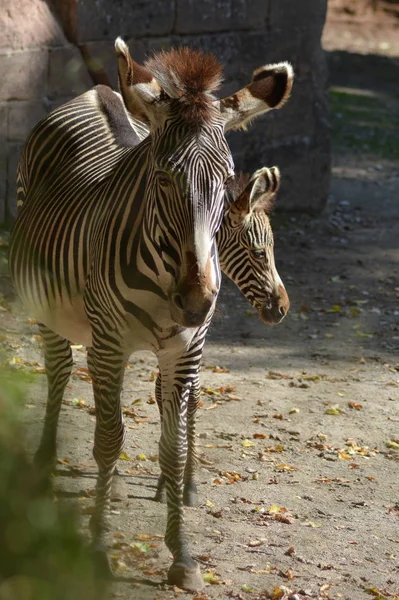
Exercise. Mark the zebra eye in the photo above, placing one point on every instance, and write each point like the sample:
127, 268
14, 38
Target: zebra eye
163, 179
259, 254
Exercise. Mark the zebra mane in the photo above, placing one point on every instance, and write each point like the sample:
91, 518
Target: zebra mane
189, 77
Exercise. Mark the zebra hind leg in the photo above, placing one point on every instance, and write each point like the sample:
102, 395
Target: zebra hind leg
106, 368
190, 491
160, 495
58, 363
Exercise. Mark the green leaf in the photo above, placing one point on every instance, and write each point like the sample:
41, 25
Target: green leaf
124, 456
211, 578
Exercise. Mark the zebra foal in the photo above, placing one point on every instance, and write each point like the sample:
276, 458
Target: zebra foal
123, 256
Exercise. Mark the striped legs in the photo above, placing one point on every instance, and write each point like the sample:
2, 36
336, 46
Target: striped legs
176, 381
190, 492
58, 362
106, 367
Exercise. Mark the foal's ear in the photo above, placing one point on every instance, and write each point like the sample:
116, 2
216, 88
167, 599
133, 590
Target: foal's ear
270, 88
258, 192
140, 91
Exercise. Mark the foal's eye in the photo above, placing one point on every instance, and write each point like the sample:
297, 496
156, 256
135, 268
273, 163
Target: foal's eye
259, 254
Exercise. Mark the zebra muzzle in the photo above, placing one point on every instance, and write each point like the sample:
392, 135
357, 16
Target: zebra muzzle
191, 308
274, 309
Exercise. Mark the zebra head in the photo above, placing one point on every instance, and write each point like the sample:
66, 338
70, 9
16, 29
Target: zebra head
189, 162
245, 244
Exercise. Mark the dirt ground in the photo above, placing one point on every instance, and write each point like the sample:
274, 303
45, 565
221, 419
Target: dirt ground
299, 423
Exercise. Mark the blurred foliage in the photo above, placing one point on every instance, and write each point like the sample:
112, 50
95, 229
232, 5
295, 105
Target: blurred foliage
368, 123
42, 555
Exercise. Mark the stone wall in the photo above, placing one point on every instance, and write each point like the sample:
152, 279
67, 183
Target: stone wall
52, 51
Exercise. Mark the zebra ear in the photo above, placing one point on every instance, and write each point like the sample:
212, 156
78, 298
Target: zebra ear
258, 192
140, 91
270, 88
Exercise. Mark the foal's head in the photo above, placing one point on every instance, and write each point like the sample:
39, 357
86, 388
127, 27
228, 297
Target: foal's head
246, 248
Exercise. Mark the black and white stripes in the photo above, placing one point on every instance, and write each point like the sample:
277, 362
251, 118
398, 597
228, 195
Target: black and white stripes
115, 248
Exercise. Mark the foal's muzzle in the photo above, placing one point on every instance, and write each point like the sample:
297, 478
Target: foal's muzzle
274, 309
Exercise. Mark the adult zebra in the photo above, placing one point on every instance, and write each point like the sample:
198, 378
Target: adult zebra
126, 259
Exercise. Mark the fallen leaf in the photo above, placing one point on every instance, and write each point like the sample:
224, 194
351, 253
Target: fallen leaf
233, 397
231, 476
392, 444
355, 405
247, 444
143, 537
124, 456
274, 509
218, 369
276, 375
333, 410
344, 456
315, 378
287, 519
364, 335
210, 578
335, 308
212, 407
276, 594
83, 374
139, 548
79, 402
276, 448
255, 543
285, 467
312, 524
288, 574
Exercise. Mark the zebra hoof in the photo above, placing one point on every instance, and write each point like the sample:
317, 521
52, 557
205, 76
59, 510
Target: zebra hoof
190, 495
44, 462
186, 578
43, 471
160, 495
102, 565
118, 489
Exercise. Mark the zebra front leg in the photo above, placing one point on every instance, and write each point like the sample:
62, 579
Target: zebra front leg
58, 363
190, 491
106, 368
176, 384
